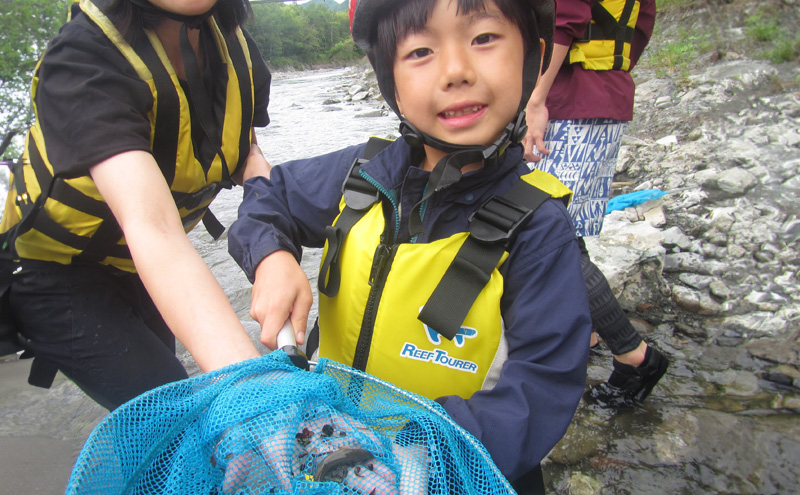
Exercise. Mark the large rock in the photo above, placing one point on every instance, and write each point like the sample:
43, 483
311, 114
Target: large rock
630, 255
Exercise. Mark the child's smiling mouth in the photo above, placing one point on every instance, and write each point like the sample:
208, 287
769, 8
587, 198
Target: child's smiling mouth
463, 115
449, 114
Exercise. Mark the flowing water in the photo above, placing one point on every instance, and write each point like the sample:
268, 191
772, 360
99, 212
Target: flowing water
684, 440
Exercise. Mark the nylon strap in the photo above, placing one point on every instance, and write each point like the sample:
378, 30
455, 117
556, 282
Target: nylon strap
607, 27
202, 107
28, 208
491, 229
359, 196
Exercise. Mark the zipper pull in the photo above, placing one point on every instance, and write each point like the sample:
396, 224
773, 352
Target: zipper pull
378, 262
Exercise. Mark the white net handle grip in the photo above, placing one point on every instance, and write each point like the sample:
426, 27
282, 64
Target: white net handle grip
286, 335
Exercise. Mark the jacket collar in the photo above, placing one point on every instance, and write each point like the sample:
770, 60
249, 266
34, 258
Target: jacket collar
394, 165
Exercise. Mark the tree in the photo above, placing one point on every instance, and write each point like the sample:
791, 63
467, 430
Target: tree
25, 28
302, 35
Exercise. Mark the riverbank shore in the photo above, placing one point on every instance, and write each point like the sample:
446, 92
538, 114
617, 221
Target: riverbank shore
41, 431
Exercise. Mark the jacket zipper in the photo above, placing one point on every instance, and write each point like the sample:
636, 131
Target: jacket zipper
381, 266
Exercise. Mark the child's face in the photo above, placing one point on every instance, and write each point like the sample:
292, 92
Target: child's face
460, 79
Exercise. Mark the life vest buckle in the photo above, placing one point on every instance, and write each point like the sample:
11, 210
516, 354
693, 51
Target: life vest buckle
497, 219
593, 32
191, 201
358, 193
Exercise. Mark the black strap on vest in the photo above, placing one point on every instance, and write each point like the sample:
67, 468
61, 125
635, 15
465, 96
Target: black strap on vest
359, 196
491, 229
607, 27
28, 208
203, 109
42, 372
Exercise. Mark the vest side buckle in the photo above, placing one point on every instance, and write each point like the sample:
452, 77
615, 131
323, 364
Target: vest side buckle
497, 219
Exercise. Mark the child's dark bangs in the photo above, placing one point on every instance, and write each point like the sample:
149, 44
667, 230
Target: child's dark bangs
409, 17
412, 15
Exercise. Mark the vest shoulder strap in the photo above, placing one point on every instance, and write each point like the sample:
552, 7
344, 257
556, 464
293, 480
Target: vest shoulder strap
491, 230
359, 195
608, 24
608, 27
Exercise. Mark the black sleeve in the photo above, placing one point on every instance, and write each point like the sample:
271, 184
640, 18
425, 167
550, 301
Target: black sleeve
261, 82
90, 103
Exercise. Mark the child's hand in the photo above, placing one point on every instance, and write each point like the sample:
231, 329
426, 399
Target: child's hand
280, 290
536, 118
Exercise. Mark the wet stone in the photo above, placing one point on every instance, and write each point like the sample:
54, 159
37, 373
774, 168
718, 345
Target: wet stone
719, 289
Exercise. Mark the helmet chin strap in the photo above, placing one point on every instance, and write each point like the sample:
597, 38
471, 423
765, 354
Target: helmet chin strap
448, 170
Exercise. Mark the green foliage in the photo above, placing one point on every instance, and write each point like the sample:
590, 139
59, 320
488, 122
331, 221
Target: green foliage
669, 5
760, 27
25, 28
676, 56
303, 35
778, 41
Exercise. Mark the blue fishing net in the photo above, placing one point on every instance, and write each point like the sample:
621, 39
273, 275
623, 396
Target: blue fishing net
266, 426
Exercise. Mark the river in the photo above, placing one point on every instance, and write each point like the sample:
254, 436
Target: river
683, 440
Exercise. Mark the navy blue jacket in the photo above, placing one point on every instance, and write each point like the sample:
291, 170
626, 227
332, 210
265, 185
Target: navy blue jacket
544, 305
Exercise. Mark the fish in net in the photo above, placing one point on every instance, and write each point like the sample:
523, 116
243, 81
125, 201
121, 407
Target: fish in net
267, 426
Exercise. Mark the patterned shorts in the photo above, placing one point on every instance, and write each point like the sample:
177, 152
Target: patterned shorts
583, 155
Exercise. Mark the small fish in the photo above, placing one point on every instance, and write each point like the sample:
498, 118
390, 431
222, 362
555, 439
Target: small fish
330, 468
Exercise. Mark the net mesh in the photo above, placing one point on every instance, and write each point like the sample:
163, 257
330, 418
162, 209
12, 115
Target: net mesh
265, 426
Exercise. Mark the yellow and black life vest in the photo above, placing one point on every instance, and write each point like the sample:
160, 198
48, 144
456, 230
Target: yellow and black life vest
606, 45
423, 316
56, 219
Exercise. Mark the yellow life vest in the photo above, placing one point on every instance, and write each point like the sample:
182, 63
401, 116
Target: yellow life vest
71, 219
607, 42
371, 320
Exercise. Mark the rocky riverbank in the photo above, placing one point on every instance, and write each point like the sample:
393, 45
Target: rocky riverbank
711, 274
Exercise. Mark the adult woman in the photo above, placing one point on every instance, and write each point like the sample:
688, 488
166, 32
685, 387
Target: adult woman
144, 111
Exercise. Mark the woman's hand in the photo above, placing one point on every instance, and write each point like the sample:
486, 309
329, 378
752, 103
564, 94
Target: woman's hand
536, 117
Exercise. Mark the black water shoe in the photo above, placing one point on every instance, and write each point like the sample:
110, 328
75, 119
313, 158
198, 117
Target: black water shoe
630, 385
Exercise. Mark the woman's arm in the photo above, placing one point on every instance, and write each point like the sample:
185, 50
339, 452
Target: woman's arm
537, 115
176, 277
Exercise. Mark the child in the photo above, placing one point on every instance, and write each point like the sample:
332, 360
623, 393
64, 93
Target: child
507, 359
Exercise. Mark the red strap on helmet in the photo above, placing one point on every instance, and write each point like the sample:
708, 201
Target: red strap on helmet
352, 9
